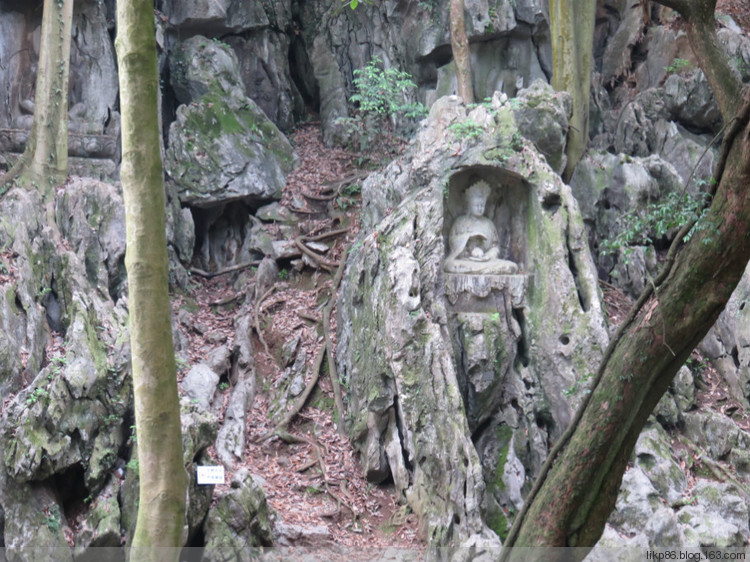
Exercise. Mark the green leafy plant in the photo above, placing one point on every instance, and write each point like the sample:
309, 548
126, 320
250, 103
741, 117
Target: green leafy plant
352, 4
381, 91
580, 384
678, 66
53, 518
468, 129
36, 395
739, 63
383, 96
181, 363
58, 362
656, 222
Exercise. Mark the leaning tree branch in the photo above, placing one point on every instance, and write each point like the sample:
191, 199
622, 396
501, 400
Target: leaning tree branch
701, 31
738, 124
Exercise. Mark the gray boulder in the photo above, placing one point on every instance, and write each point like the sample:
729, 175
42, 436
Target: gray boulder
542, 117
654, 457
222, 147
704, 528
199, 385
220, 16
637, 502
727, 344
239, 522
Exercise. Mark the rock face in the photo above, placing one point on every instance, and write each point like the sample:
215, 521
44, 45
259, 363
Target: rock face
63, 429
222, 147
509, 44
260, 33
93, 87
610, 186
239, 522
457, 380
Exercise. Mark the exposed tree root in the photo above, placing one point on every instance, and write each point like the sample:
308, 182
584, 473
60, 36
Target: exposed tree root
327, 311
230, 269
318, 260
257, 320
717, 469
298, 403
325, 349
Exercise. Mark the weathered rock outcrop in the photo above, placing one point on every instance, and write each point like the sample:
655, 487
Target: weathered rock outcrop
222, 147
239, 521
64, 426
457, 380
609, 187
509, 48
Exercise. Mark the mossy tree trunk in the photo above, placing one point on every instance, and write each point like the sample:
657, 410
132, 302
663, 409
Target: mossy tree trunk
163, 481
575, 493
572, 33
44, 163
461, 55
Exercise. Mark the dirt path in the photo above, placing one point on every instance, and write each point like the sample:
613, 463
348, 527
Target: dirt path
316, 484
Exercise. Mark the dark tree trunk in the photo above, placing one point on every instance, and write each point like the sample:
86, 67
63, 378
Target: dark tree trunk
571, 501
461, 55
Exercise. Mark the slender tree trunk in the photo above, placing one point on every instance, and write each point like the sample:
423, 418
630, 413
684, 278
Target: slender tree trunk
461, 55
574, 495
572, 31
44, 163
163, 481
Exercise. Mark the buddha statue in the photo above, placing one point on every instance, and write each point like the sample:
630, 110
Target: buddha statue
473, 240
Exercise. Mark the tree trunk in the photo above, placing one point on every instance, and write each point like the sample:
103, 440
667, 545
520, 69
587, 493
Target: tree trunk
461, 55
163, 481
44, 163
572, 35
571, 501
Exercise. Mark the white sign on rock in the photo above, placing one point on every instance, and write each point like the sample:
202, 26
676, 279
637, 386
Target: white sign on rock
208, 475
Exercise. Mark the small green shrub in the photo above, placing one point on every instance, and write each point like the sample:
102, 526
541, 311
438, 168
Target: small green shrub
467, 129
384, 91
656, 222
36, 395
382, 97
53, 518
678, 66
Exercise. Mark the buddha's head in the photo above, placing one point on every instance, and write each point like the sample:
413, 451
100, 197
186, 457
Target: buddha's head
476, 197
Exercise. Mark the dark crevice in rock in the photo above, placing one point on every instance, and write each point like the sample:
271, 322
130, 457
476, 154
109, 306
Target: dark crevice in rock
71, 490
522, 346
736, 357
196, 541
128, 423
221, 235
53, 311
479, 431
301, 70
583, 298
118, 283
404, 453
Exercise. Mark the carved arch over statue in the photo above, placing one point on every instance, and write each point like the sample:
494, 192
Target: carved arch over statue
506, 207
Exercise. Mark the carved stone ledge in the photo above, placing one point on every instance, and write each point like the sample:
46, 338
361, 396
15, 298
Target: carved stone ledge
79, 144
460, 284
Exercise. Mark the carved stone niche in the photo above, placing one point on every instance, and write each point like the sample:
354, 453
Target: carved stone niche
485, 237
485, 284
